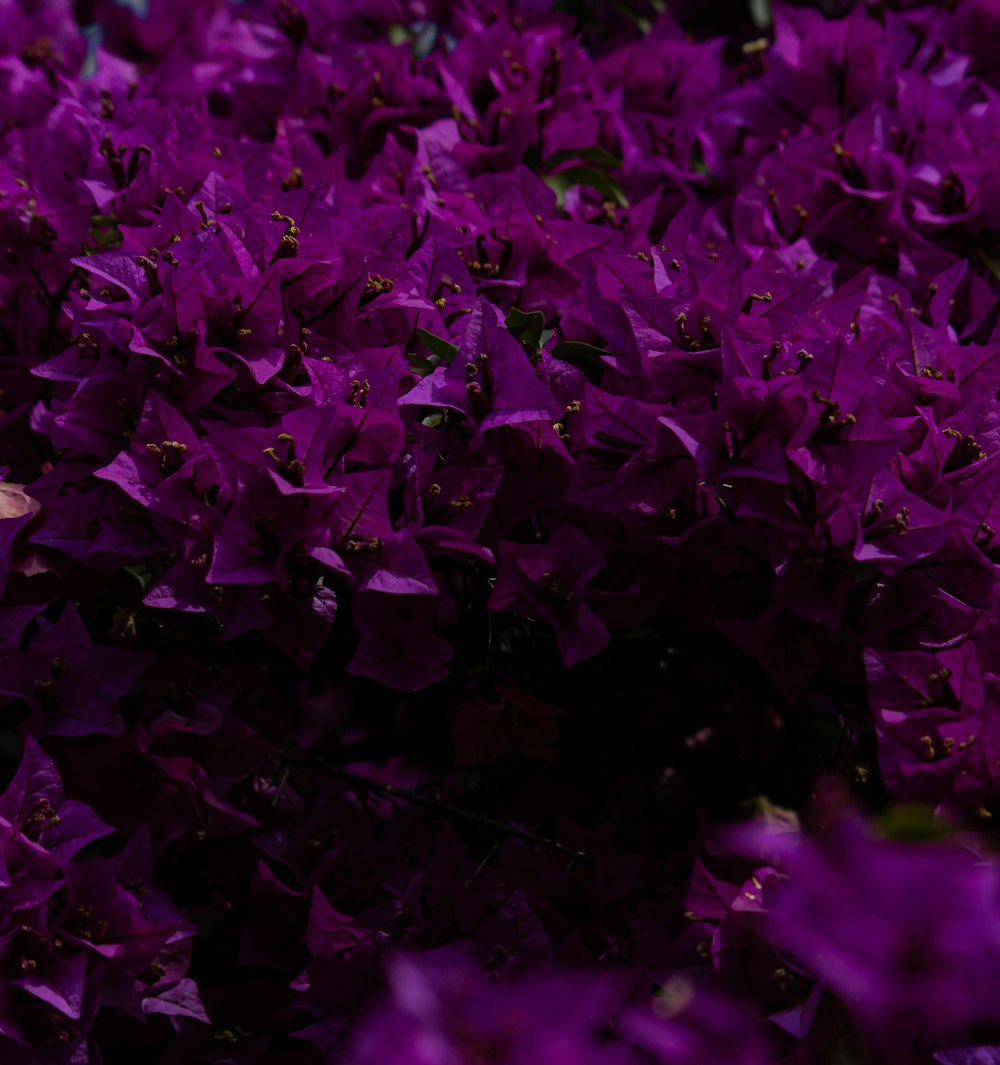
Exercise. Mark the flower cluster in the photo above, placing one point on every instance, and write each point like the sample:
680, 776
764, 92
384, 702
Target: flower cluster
453, 457
78, 933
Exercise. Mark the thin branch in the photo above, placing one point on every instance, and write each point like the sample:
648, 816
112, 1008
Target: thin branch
415, 798
482, 865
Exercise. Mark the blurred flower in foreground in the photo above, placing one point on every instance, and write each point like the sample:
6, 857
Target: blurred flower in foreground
907, 934
448, 1014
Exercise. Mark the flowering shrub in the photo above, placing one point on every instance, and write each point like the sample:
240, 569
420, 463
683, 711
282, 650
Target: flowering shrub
457, 459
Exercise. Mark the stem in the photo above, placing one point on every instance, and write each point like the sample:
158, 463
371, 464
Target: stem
415, 798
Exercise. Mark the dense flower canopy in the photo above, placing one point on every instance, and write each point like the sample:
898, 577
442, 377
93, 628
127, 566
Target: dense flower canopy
457, 459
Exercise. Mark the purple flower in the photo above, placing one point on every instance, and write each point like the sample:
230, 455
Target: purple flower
439, 1014
550, 581
77, 936
906, 934
56, 676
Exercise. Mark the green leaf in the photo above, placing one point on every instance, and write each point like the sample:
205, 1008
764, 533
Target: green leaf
527, 326
585, 357
828, 731
424, 41
760, 12
419, 365
142, 575
443, 349
597, 156
421, 37
562, 181
912, 821
992, 260
104, 232
697, 162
